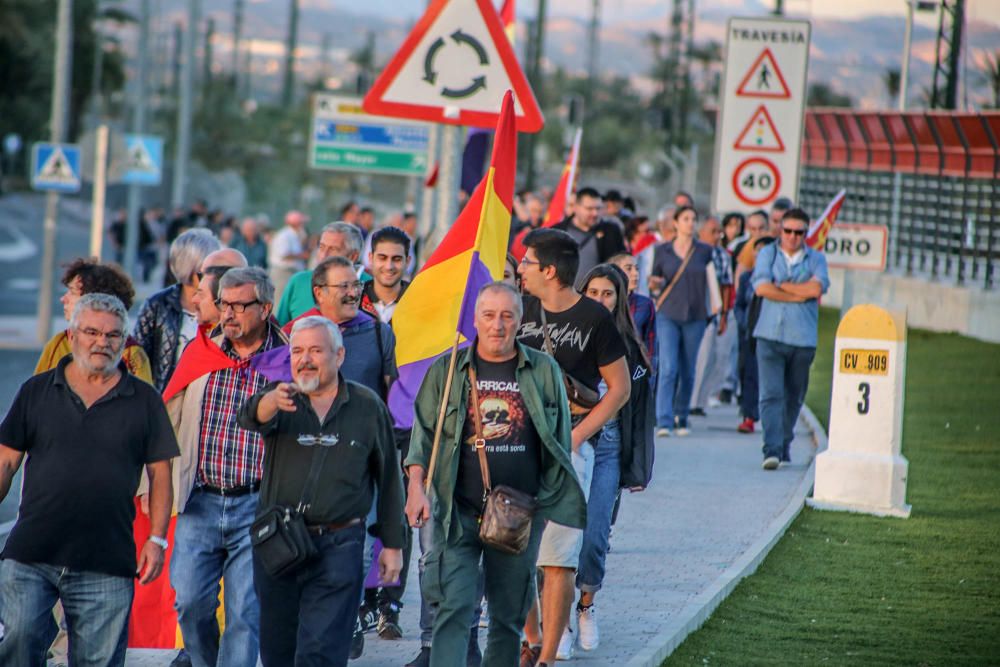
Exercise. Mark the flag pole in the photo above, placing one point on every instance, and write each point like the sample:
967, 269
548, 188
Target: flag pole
444, 407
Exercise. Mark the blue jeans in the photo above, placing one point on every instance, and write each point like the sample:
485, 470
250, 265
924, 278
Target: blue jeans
600, 506
749, 382
784, 378
96, 605
307, 617
678, 343
212, 543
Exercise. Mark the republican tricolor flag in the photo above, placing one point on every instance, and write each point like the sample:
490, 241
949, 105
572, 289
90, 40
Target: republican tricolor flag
508, 20
440, 302
820, 228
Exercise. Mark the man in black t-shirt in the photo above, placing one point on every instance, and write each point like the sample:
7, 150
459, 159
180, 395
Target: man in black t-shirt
89, 428
524, 419
588, 347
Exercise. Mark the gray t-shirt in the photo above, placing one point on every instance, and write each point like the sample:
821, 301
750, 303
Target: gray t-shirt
589, 257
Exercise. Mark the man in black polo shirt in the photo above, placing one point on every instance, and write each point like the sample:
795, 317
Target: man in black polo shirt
307, 617
90, 428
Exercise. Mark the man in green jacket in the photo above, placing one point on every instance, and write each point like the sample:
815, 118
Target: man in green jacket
525, 423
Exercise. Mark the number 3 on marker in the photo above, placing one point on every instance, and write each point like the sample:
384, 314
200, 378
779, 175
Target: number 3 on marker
863, 405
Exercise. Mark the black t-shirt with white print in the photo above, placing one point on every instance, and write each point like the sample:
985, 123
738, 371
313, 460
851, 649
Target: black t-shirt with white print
584, 337
513, 450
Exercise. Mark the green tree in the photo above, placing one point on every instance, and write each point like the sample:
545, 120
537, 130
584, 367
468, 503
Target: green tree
822, 95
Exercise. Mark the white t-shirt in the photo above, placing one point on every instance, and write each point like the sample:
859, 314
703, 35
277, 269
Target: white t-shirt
189, 329
286, 242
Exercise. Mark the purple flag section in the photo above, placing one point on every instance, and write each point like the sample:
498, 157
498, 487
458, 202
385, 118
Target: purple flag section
479, 275
474, 158
275, 365
372, 579
404, 390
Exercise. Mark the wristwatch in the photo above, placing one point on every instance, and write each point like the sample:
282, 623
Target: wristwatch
159, 541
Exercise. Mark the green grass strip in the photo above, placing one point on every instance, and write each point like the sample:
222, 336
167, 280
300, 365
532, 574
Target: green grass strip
847, 589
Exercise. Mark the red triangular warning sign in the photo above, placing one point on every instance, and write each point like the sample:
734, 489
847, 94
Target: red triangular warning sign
454, 67
760, 134
764, 79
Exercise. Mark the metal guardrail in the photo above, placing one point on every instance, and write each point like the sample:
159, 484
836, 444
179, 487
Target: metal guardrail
932, 178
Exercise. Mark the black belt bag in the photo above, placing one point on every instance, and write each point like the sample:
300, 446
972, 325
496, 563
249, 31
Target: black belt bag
279, 536
507, 513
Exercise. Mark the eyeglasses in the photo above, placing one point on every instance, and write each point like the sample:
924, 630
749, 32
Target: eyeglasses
313, 440
344, 287
796, 232
525, 261
113, 337
235, 305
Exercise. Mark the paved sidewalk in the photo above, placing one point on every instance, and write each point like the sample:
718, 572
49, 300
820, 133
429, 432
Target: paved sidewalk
709, 504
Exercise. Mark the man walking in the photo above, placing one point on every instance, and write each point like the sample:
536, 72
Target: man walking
527, 447
287, 253
389, 255
790, 277
582, 337
598, 240
89, 428
307, 616
212, 269
219, 479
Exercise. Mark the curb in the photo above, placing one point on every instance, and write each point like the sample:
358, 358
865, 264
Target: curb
700, 608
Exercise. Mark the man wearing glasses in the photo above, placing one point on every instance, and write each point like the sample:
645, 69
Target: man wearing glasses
219, 476
790, 277
307, 616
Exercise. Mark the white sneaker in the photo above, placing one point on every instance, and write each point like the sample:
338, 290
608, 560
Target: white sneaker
565, 650
714, 402
586, 623
682, 431
663, 432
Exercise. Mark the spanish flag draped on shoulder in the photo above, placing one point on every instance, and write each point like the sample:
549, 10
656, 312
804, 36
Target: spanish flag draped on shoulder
441, 299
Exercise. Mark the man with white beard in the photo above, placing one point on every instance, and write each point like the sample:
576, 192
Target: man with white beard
342, 431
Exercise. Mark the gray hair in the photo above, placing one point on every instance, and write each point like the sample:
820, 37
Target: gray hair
319, 322
500, 286
99, 302
355, 241
189, 250
263, 288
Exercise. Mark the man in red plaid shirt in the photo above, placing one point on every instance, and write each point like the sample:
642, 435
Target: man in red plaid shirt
219, 478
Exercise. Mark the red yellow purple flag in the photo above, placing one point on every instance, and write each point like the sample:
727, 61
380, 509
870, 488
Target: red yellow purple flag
441, 299
507, 18
820, 228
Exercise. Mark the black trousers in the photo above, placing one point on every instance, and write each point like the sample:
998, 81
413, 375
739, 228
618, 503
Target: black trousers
307, 617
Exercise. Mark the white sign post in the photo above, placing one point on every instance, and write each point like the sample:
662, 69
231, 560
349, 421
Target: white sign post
759, 137
863, 470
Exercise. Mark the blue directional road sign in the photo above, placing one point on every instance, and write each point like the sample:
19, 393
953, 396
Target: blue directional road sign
55, 167
144, 160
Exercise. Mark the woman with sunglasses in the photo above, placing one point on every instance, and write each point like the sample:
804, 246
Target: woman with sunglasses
624, 453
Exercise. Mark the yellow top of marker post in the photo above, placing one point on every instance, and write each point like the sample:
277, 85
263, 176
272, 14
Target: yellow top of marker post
869, 321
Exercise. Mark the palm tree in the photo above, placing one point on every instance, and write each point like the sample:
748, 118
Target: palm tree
891, 79
991, 72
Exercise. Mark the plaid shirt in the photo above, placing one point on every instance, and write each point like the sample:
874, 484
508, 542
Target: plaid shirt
723, 266
229, 456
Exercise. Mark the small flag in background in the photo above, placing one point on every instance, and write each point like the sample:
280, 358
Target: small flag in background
507, 18
820, 228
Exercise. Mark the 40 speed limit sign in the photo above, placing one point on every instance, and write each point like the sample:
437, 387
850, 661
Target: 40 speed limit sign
759, 138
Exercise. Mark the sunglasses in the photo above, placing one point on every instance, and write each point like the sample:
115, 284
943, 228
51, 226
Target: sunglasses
796, 232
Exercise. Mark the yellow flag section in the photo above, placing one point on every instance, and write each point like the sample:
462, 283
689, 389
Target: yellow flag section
440, 302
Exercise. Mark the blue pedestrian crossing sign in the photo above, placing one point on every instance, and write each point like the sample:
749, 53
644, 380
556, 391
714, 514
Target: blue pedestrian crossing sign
55, 167
143, 160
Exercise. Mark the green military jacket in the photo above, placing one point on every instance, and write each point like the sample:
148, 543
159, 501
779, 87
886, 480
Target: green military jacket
560, 497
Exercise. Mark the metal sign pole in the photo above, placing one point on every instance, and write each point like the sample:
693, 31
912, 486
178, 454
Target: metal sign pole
100, 187
447, 190
132, 222
60, 97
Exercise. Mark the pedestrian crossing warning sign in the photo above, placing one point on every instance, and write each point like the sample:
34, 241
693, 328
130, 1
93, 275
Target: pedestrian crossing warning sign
764, 79
55, 167
143, 160
760, 134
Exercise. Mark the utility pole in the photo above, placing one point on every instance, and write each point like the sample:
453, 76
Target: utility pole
175, 65
535, 79
61, 85
325, 65
132, 222
686, 97
594, 46
674, 68
288, 85
96, 95
183, 153
237, 37
206, 63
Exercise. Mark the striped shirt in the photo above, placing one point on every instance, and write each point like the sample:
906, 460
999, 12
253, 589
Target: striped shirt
230, 456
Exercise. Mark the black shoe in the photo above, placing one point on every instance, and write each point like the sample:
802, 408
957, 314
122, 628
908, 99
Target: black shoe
357, 642
182, 660
387, 625
697, 412
725, 396
367, 617
423, 658
473, 658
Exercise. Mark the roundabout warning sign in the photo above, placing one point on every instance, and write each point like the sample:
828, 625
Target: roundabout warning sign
759, 138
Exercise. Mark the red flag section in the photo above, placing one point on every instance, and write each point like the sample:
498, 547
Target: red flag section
199, 358
820, 228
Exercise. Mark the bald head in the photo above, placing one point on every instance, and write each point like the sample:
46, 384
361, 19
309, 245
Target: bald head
226, 257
